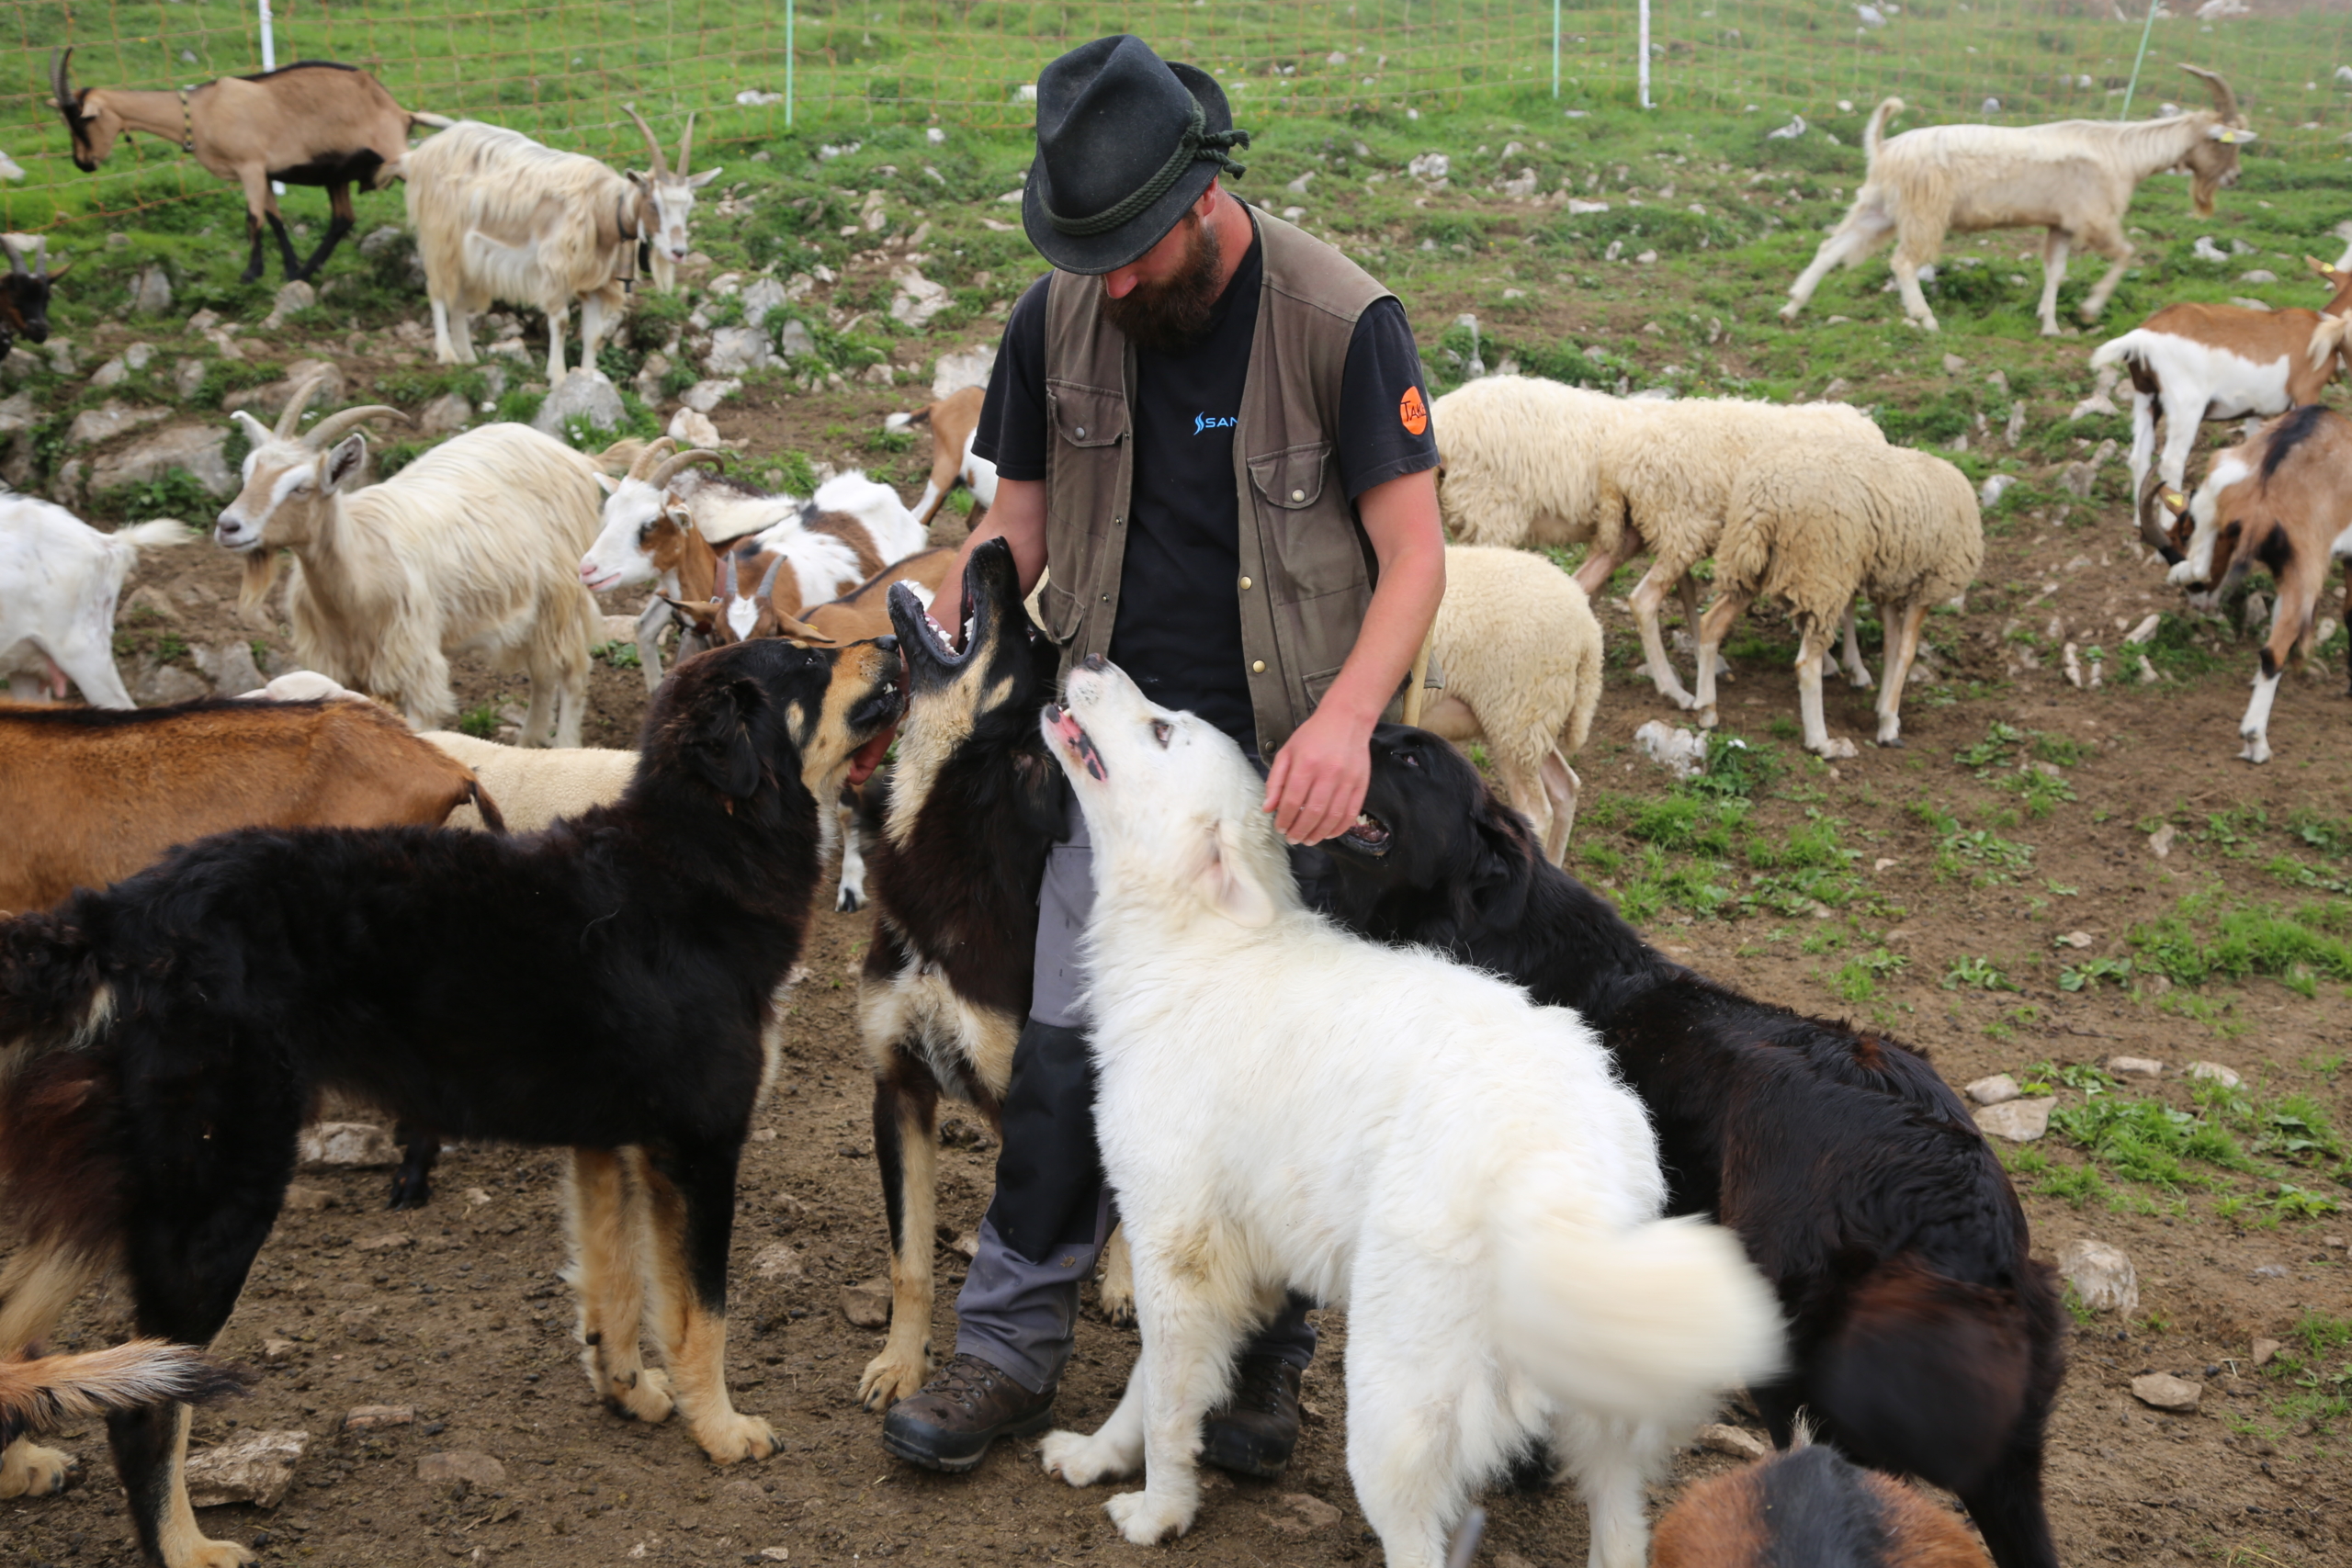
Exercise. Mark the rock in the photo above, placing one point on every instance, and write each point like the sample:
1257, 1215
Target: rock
918, 299
306, 1200
2135, 1066
878, 375
277, 1352
2264, 1349
2019, 1121
966, 1247
737, 349
255, 1470
61, 355
390, 1241
1954, 364
360, 1322
2213, 1072
376, 1417
149, 599
765, 295
187, 377
295, 296
445, 415
231, 667
109, 420
1989, 495
153, 683
17, 412
113, 373
693, 429
586, 396
1998, 1089
2162, 1391
2259, 274
467, 1467
193, 447
381, 240
2160, 841
704, 396
1308, 1515
650, 375
151, 292
268, 401
968, 367
2102, 1275
779, 1261
1719, 1439
867, 1305
2075, 940
795, 341
1682, 753
65, 488
359, 1144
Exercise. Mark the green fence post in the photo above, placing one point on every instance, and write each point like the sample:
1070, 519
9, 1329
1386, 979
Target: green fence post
2145, 29
787, 63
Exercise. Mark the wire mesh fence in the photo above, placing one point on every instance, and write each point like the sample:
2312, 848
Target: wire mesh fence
755, 70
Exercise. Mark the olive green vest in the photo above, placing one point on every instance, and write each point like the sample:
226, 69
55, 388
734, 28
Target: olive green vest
1306, 568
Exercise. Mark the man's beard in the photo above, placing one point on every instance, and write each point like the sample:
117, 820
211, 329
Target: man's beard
1173, 316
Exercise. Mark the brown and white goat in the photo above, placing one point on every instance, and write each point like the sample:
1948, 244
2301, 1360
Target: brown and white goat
2281, 499
95, 794
2191, 363
953, 419
311, 124
2074, 178
737, 614
23, 296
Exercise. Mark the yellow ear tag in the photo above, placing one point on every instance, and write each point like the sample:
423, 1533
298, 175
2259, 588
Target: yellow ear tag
2176, 500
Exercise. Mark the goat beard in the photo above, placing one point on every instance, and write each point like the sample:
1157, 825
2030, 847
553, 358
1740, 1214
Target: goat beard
1172, 315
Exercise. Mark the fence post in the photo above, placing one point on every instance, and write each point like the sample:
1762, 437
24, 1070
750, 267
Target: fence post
787, 63
1556, 48
2129, 87
1645, 63
268, 42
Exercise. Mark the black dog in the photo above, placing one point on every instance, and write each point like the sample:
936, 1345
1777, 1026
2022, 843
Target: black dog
974, 802
605, 985
1924, 1340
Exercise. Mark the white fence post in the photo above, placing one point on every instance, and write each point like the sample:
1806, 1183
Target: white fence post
1645, 54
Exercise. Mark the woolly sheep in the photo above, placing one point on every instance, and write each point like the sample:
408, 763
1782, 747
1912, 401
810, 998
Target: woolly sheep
1517, 459
1664, 484
1520, 656
533, 787
1816, 519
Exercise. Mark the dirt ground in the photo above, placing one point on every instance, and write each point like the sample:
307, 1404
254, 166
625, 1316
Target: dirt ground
458, 1311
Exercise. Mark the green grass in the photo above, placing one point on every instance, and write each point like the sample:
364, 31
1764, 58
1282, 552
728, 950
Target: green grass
2210, 936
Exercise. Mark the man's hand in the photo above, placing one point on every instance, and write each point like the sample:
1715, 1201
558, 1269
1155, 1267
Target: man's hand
1316, 785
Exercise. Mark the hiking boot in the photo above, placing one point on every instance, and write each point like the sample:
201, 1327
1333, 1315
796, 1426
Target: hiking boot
968, 1405
1253, 1433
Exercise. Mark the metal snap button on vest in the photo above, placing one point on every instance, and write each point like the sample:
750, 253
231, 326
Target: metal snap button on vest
1245, 585
1294, 495
1081, 433
1258, 666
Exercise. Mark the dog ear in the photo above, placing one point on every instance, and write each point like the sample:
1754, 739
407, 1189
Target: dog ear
1494, 886
718, 738
1226, 885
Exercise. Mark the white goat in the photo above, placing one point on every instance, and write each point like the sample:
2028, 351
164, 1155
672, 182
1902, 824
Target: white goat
60, 580
673, 201
500, 216
472, 548
2073, 178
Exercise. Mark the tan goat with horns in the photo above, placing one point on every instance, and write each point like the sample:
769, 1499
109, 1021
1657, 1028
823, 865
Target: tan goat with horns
311, 124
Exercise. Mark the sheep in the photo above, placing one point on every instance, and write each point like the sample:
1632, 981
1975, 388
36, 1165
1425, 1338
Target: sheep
955, 420
2191, 363
500, 216
310, 123
472, 546
1665, 484
23, 296
94, 796
1518, 460
2281, 499
672, 199
1520, 652
535, 787
1816, 519
60, 580
2074, 178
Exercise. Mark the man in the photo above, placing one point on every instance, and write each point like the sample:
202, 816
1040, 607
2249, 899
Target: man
1211, 428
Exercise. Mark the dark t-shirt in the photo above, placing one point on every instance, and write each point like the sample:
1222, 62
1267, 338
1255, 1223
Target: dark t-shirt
1179, 631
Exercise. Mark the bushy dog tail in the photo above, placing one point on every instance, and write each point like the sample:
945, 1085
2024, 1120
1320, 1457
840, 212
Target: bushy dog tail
1926, 1375
40, 1394
60, 1157
1653, 1322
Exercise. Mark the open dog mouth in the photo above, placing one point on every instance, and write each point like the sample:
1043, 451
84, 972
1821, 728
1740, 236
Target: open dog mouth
1073, 734
909, 611
1370, 834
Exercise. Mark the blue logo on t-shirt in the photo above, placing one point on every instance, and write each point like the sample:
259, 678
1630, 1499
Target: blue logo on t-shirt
1205, 422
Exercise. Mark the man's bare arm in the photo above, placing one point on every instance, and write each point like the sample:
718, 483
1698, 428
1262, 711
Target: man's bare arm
1019, 519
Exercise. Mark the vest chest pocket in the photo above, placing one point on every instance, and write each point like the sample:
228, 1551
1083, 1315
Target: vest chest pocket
1306, 529
1085, 416
1083, 471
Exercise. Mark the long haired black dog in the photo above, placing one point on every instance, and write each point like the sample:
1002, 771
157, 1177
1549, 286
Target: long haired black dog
1923, 1339
605, 985
974, 802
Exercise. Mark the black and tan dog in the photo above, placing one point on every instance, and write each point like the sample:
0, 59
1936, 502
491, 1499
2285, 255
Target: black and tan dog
605, 985
1924, 1340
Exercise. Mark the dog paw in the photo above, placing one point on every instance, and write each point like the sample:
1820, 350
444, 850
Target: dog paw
1146, 1520
649, 1400
1119, 1308
734, 1436
211, 1554
28, 1470
849, 901
1082, 1460
891, 1377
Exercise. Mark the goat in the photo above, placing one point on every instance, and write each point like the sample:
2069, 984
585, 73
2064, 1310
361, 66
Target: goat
498, 216
60, 580
672, 199
953, 419
310, 123
94, 796
2282, 499
2073, 178
471, 547
2191, 363
23, 296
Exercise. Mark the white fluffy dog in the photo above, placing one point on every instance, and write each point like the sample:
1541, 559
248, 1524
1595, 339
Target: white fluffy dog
1283, 1105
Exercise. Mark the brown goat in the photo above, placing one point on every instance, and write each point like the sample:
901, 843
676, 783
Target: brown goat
1810, 1505
311, 124
952, 419
97, 794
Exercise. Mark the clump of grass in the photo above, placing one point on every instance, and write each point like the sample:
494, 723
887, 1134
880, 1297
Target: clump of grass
2200, 940
481, 723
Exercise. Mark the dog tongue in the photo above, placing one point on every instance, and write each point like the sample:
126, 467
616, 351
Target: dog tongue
868, 757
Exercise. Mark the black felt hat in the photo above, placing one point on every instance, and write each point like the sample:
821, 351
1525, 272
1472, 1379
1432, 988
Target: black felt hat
1126, 143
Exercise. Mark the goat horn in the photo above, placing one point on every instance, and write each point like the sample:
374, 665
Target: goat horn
41, 256
16, 261
686, 145
767, 583
58, 64
671, 467
730, 574
297, 401
655, 450
2224, 100
661, 168
330, 428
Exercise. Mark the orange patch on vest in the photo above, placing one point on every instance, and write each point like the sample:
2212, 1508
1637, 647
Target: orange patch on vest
1412, 411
